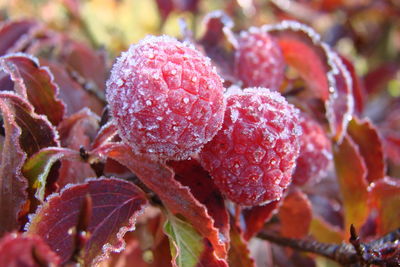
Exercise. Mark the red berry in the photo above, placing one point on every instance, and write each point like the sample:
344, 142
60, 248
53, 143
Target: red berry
315, 152
259, 60
252, 157
166, 98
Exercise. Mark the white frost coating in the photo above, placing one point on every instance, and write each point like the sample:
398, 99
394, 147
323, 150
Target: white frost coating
225, 19
147, 84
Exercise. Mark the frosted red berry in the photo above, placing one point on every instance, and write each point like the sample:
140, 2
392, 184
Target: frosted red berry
315, 152
166, 98
252, 157
259, 60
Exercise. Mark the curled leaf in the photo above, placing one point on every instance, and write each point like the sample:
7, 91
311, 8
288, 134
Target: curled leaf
321, 68
37, 131
12, 184
115, 206
12, 31
366, 136
36, 83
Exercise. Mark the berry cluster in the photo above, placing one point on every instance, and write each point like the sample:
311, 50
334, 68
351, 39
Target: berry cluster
168, 103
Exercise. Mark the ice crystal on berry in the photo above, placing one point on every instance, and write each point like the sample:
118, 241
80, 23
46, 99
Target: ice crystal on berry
252, 157
166, 98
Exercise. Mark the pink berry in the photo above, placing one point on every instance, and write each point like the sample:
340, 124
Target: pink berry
166, 98
252, 157
259, 60
315, 152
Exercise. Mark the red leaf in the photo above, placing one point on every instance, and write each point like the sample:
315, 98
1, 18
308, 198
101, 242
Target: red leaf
365, 135
377, 79
351, 174
359, 93
105, 134
165, 7
77, 131
89, 64
12, 31
320, 67
37, 131
239, 253
390, 130
115, 206
216, 24
21, 250
295, 215
340, 106
71, 92
216, 41
160, 179
189, 173
12, 183
256, 217
36, 84
303, 56
385, 197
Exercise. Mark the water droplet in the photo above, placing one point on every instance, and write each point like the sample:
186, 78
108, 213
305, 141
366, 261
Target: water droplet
175, 128
186, 100
194, 79
173, 72
149, 103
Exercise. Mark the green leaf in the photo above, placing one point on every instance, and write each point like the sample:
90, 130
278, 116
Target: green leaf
186, 244
37, 167
188, 247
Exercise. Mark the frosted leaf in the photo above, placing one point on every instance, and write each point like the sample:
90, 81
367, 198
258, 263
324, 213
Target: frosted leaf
340, 104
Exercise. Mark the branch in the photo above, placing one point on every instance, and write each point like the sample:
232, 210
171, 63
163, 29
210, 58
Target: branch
344, 253
383, 251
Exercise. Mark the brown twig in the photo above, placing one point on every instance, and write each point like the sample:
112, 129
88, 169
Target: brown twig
384, 251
